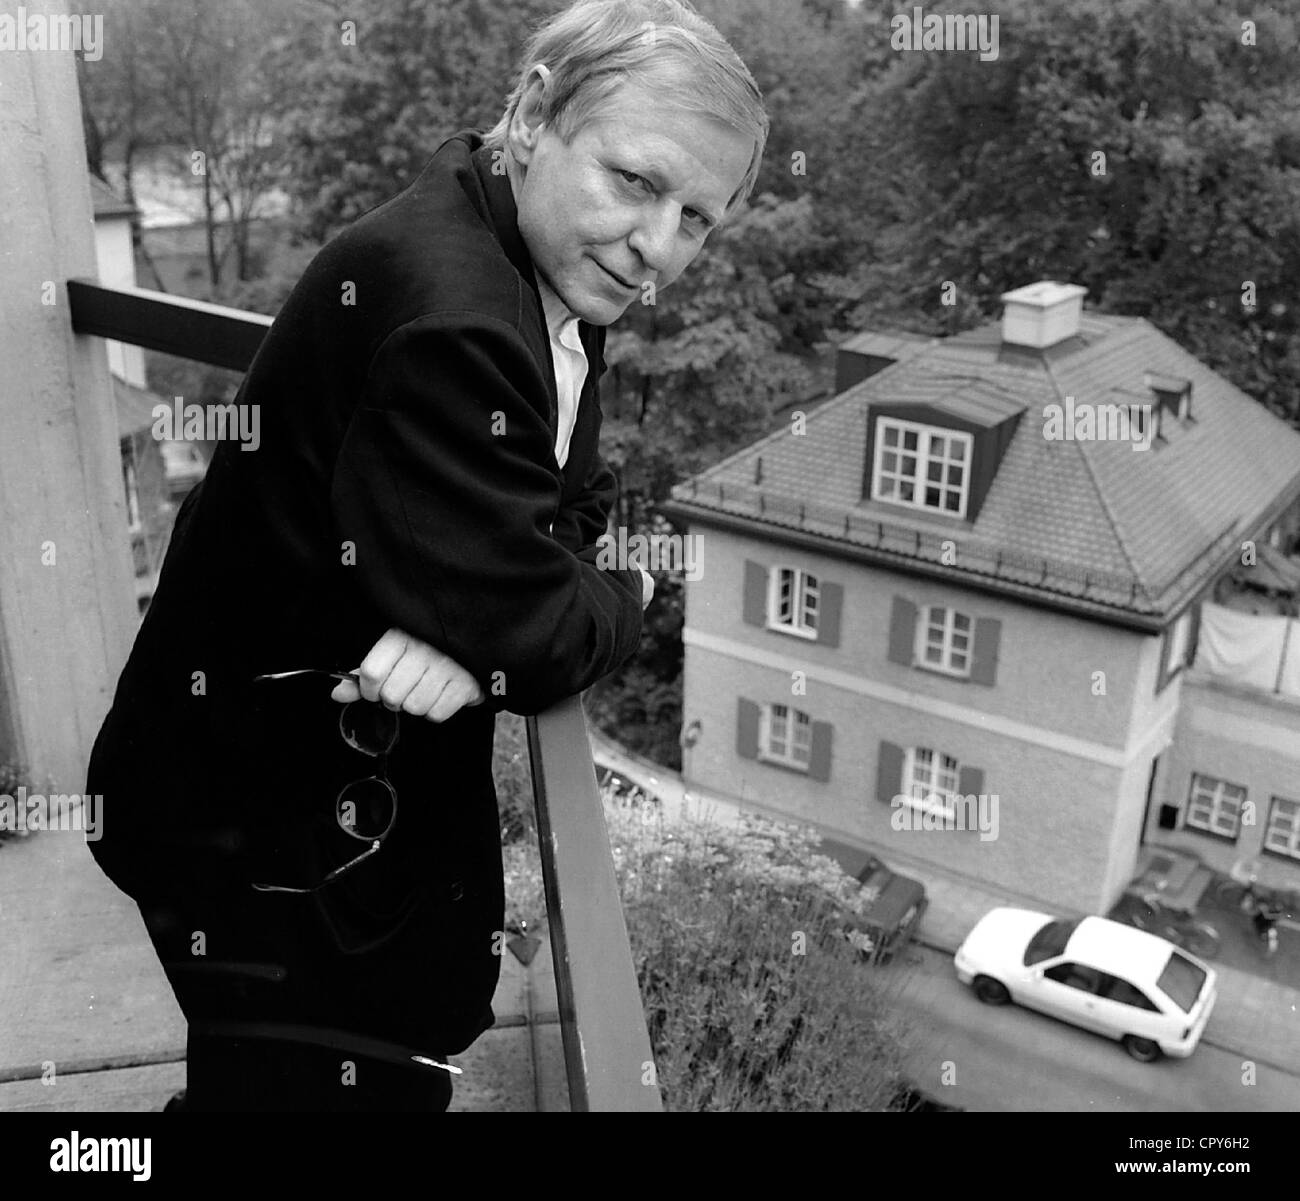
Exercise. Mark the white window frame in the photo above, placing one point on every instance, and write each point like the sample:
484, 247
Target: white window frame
927, 435
936, 800
796, 749
805, 602
1289, 844
131, 485
946, 618
1212, 796
1180, 642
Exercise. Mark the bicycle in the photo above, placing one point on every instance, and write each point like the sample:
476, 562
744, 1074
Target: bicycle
1148, 911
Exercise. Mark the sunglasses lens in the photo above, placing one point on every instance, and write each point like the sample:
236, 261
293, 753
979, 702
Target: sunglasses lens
367, 809
368, 728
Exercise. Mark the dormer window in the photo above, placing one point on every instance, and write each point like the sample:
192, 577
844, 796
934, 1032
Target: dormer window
1172, 393
923, 466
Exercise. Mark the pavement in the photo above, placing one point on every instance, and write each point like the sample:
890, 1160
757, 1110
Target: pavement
1254, 1017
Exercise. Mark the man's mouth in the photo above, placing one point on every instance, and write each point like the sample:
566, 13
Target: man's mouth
616, 278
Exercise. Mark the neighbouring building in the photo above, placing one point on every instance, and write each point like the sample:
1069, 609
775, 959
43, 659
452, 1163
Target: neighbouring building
155, 474
978, 571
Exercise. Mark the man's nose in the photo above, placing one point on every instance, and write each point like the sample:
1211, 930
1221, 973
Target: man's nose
654, 237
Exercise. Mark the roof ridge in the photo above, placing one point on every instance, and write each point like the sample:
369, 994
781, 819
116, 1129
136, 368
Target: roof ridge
1131, 333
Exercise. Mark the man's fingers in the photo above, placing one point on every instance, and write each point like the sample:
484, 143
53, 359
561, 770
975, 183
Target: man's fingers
426, 692
454, 698
380, 661
345, 692
406, 674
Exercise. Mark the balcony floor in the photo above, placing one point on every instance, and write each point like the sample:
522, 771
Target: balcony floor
91, 1001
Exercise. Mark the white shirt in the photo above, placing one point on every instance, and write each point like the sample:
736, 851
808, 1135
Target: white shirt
570, 365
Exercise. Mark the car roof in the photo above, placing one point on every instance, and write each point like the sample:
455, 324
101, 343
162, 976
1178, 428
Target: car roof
1119, 949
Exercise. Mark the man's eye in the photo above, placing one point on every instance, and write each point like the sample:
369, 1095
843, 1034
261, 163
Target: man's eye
630, 176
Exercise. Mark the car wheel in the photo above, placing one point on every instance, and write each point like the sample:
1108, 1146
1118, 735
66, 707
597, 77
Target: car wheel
990, 991
1142, 1049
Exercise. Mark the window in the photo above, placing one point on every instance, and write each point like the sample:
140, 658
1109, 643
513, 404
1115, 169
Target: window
131, 482
1115, 989
794, 601
944, 640
787, 736
1075, 975
922, 466
1180, 642
1215, 806
1050, 940
1181, 981
1282, 834
930, 779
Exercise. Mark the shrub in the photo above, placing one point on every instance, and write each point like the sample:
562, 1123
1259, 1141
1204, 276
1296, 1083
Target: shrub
12, 777
754, 999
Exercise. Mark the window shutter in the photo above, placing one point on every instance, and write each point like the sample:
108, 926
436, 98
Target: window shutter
755, 610
1194, 635
831, 602
902, 632
747, 729
984, 661
819, 764
889, 772
970, 781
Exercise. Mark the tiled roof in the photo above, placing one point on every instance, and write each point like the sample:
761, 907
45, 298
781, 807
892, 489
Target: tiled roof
1094, 521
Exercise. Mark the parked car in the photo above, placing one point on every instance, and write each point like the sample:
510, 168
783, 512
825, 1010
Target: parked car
895, 903
1124, 983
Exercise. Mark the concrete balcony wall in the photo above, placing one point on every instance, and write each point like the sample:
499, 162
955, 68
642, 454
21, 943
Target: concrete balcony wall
67, 605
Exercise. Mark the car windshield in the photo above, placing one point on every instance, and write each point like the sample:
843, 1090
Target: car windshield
1182, 981
1049, 941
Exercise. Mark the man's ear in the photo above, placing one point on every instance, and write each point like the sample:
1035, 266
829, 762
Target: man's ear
527, 125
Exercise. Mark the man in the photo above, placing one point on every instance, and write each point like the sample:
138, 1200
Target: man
323, 884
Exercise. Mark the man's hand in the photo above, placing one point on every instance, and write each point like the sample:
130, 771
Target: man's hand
409, 675
647, 588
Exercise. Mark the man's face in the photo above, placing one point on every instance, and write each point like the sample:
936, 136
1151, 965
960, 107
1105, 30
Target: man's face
633, 196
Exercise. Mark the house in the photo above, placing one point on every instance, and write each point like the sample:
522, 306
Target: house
155, 474
947, 615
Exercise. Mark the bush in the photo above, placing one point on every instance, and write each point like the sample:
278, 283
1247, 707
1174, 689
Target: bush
12, 777
754, 999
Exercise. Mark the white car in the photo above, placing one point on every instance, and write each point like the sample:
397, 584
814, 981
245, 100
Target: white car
1095, 973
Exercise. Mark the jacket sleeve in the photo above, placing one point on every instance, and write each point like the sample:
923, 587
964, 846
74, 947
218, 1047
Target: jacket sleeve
584, 518
443, 486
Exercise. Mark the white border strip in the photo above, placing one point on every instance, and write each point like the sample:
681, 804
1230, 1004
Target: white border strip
1093, 752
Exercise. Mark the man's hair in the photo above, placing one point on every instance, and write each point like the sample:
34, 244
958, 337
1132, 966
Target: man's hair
594, 47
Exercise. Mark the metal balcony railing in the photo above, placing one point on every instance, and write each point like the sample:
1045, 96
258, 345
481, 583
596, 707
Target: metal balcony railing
898, 541
606, 1045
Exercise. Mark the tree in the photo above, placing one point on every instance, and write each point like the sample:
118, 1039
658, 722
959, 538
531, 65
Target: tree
378, 86
1139, 148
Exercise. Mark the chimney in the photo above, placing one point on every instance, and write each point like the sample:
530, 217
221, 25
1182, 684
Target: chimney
1042, 314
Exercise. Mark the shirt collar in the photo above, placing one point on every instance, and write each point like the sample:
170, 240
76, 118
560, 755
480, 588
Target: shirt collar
560, 319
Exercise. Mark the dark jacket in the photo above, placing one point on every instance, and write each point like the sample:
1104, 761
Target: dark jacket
406, 477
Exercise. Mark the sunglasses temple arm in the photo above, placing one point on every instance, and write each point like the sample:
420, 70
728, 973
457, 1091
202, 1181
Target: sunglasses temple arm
347, 677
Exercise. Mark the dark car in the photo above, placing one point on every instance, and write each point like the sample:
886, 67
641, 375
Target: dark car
896, 905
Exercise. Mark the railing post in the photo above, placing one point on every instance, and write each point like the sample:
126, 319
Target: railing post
67, 602
606, 1046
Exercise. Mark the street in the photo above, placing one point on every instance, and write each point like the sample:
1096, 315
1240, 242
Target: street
1009, 1058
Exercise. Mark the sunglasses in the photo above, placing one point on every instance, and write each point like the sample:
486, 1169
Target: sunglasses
365, 809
